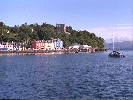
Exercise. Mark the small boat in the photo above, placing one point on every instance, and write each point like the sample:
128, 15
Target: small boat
115, 53
82, 51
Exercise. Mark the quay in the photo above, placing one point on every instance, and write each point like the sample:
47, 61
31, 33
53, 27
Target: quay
42, 52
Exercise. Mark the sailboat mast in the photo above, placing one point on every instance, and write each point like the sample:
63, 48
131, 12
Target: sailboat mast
113, 41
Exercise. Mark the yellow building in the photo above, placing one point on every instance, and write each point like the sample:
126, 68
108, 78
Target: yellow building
22, 48
49, 45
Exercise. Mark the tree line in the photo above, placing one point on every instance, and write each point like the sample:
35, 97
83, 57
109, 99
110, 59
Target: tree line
26, 33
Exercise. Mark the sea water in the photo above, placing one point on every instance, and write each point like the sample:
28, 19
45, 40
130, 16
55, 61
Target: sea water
66, 76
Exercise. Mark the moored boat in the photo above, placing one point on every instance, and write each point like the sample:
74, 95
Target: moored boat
115, 53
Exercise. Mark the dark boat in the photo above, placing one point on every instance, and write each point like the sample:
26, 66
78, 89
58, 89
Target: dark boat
116, 54
82, 51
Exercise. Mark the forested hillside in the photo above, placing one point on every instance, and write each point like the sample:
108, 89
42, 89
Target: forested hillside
46, 31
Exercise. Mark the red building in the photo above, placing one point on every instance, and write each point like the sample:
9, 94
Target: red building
38, 45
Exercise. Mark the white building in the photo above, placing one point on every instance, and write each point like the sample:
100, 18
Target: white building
86, 47
6, 46
74, 46
58, 44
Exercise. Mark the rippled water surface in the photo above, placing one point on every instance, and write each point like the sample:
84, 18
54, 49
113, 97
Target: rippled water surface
66, 76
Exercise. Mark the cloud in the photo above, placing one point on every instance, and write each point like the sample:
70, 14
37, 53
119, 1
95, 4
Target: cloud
123, 24
110, 29
106, 32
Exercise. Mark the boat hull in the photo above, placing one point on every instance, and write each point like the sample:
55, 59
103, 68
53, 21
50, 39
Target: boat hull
117, 56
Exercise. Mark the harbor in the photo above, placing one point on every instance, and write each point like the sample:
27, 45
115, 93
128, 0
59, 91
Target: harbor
47, 52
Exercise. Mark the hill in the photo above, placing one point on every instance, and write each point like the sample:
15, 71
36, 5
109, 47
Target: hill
26, 33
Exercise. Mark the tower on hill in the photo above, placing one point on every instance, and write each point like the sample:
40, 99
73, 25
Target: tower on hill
60, 28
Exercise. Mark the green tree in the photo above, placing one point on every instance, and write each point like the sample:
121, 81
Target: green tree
15, 29
25, 32
69, 29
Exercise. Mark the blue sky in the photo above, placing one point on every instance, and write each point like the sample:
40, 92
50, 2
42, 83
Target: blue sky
101, 17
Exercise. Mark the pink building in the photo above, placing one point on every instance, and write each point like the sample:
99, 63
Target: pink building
38, 45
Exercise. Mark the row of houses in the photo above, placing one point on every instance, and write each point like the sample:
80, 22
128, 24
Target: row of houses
6, 46
53, 44
56, 44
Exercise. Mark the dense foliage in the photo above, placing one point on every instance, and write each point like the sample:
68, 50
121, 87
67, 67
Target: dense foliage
46, 31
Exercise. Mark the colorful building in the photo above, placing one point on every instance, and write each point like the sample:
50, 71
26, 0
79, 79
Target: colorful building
49, 45
58, 44
38, 45
16, 46
53, 44
19, 46
22, 46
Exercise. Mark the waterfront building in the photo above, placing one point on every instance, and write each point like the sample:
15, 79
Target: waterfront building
6, 46
1, 47
17, 46
58, 44
49, 45
86, 47
22, 46
74, 46
38, 45
12, 46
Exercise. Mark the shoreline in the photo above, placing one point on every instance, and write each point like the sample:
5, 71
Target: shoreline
42, 52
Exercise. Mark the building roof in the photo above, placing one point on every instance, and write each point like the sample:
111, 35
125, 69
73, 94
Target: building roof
40, 41
86, 46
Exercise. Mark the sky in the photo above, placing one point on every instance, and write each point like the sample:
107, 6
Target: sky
102, 17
